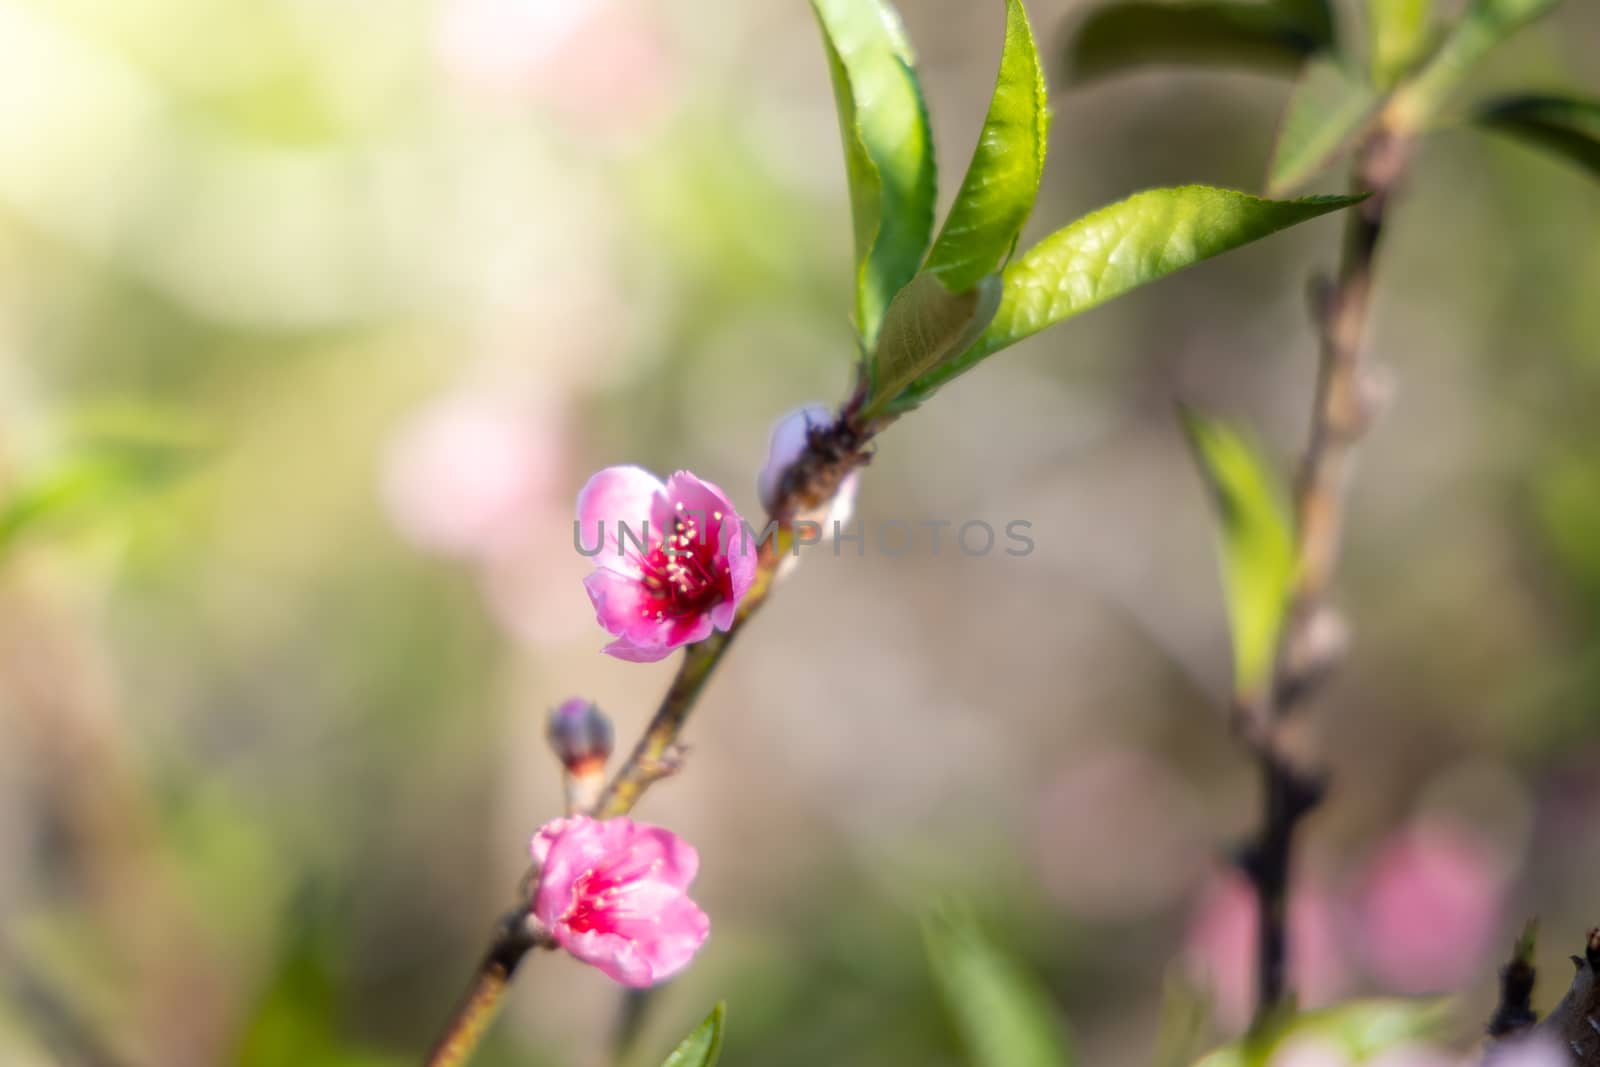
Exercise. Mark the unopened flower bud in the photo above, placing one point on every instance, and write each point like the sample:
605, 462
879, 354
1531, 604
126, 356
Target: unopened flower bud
829, 493
790, 435
581, 736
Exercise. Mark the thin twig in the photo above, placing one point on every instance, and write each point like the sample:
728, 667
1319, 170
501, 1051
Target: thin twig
652, 754
832, 453
1346, 399
513, 939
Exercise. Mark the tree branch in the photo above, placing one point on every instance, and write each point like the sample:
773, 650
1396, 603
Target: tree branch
1346, 401
1574, 1024
832, 453
514, 937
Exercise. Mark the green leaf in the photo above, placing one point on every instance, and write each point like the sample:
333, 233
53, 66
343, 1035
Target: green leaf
1118, 248
1399, 31
703, 1047
1485, 24
1003, 1016
1329, 106
926, 325
1275, 38
888, 149
1355, 1032
1257, 546
120, 460
1002, 181
1564, 125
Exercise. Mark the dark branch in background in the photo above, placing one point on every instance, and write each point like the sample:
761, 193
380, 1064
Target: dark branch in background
1574, 1023
832, 453
1573, 1026
1515, 1013
1347, 399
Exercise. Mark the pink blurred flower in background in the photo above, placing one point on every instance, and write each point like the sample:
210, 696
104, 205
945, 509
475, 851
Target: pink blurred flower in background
1221, 945
603, 66
695, 566
614, 893
465, 477
1430, 907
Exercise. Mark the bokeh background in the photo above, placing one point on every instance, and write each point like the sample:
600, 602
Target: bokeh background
314, 316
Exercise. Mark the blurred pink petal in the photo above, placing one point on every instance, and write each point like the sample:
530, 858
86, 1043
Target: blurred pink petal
1531, 1052
614, 894
601, 65
469, 473
1430, 908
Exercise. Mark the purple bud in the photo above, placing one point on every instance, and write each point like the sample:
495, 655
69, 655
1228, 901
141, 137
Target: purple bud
581, 735
790, 435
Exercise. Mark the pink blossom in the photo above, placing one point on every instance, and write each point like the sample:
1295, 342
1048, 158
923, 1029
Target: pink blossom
614, 893
693, 568
789, 437
1430, 908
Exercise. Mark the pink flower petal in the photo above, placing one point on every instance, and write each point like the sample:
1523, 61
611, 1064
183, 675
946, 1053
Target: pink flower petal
618, 958
630, 651
613, 496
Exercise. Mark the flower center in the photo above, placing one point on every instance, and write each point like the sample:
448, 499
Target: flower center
600, 897
683, 575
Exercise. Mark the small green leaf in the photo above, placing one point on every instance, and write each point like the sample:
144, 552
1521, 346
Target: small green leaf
1257, 546
1485, 24
1004, 1018
861, 173
1275, 38
703, 1047
1399, 31
1355, 1032
1002, 181
1118, 248
1564, 125
884, 123
1327, 109
925, 325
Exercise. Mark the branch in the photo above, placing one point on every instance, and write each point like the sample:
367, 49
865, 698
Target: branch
1574, 1024
832, 452
1347, 399
514, 936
